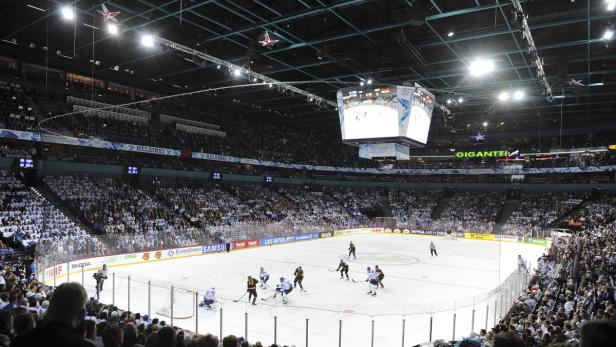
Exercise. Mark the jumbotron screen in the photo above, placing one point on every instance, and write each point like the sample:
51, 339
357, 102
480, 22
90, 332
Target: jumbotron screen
385, 113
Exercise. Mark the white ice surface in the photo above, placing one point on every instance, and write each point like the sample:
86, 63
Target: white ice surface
417, 287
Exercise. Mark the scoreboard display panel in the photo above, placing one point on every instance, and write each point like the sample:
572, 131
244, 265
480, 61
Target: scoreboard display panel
385, 114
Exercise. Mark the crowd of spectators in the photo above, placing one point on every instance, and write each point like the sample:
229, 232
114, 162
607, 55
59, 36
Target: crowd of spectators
15, 108
471, 211
414, 208
244, 137
573, 285
570, 300
32, 314
235, 211
536, 211
592, 214
26, 219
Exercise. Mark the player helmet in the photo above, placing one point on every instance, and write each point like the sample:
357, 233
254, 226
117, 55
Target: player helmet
368, 268
281, 279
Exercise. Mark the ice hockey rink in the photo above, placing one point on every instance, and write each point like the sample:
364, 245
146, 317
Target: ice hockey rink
420, 290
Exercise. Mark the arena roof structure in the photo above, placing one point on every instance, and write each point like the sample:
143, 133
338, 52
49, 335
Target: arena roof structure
561, 75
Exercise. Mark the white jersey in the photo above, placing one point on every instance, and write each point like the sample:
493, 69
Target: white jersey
373, 276
286, 285
263, 275
521, 261
210, 294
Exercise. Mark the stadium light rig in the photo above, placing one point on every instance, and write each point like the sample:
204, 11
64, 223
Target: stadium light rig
610, 5
282, 86
112, 29
147, 40
503, 96
520, 16
480, 67
67, 13
518, 95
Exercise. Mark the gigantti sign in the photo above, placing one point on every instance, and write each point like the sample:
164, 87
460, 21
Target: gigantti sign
487, 154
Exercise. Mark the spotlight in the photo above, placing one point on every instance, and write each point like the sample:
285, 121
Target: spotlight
480, 67
361, 83
370, 81
218, 67
608, 35
67, 13
449, 101
610, 5
254, 79
518, 95
270, 85
450, 34
147, 40
112, 29
460, 100
237, 73
485, 124
503, 96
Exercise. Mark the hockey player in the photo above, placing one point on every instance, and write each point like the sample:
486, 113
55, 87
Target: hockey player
210, 297
299, 277
251, 287
373, 281
381, 275
264, 276
352, 250
344, 269
284, 288
521, 264
433, 249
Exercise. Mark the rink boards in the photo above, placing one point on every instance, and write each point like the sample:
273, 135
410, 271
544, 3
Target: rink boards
77, 267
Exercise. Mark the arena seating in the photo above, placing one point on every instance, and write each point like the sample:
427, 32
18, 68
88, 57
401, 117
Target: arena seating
562, 296
116, 208
573, 285
28, 220
414, 208
139, 125
15, 110
537, 210
471, 211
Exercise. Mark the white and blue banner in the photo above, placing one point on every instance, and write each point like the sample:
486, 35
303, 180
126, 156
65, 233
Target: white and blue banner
19, 135
269, 241
65, 140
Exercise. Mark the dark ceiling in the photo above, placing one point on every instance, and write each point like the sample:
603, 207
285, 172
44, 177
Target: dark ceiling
389, 41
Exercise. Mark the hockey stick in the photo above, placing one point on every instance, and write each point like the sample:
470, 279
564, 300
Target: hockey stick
240, 298
267, 298
330, 270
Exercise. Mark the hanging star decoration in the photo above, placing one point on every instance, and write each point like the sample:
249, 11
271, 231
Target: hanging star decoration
574, 82
267, 41
479, 137
108, 15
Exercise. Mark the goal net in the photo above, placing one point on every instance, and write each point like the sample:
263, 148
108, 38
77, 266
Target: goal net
450, 236
183, 307
385, 222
